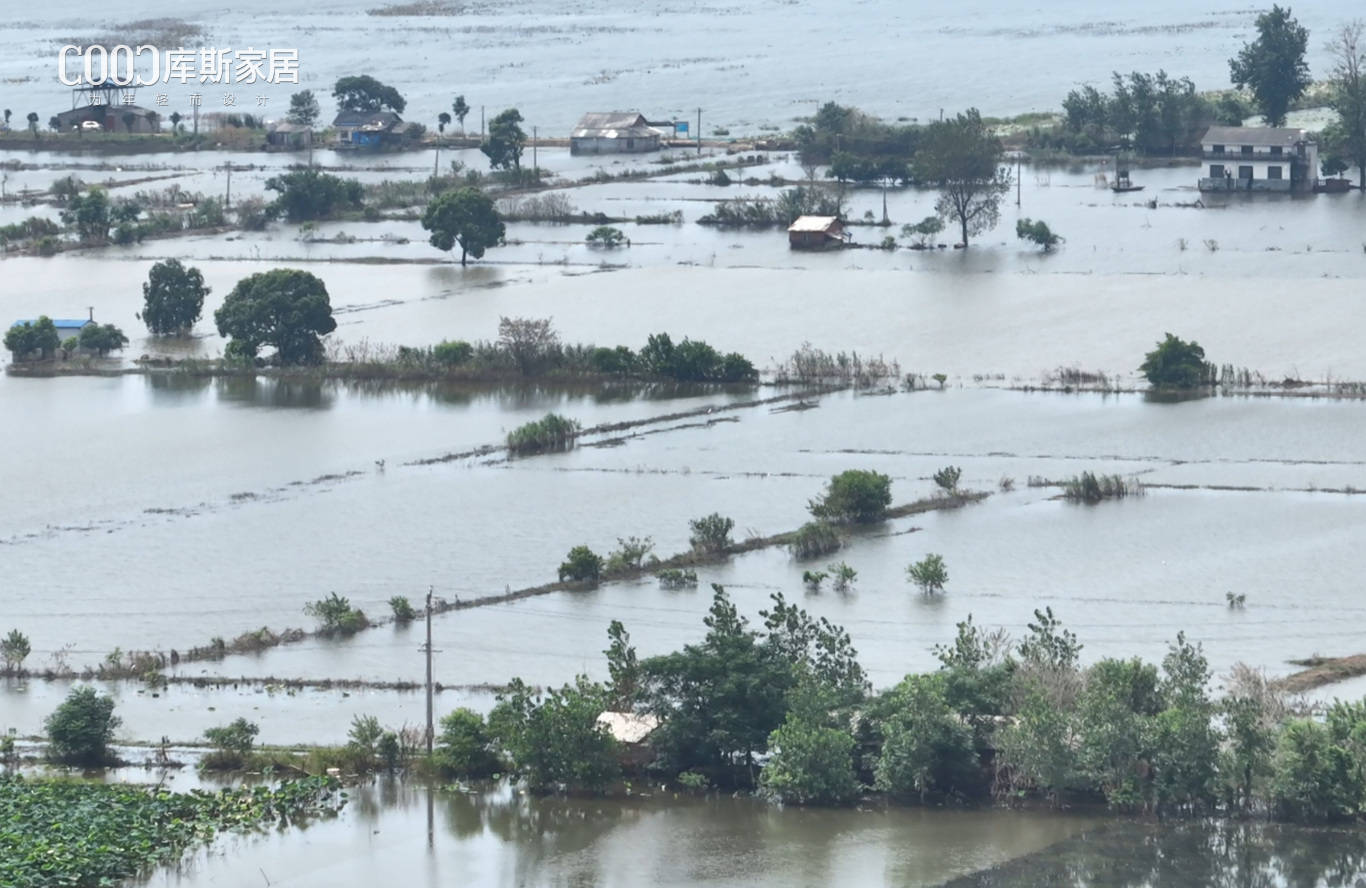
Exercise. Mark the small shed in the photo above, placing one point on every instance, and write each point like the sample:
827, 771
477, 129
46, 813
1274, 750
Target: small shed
289, 136
632, 731
613, 132
815, 233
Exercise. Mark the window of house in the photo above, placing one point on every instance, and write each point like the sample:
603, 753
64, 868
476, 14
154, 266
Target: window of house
1244, 172
1276, 150
1273, 172
1217, 149
1247, 149
1216, 171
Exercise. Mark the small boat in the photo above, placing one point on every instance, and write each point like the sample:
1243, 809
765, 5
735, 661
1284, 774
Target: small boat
1122, 183
1119, 188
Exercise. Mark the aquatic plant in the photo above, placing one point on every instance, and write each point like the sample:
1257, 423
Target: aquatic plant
842, 576
947, 478
549, 433
336, 616
711, 533
677, 578
1090, 488
814, 539
929, 573
402, 609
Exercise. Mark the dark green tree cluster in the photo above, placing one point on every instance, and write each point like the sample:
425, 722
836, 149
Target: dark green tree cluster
172, 298
309, 194
1272, 67
963, 158
466, 217
858, 147
1150, 113
285, 308
855, 496
365, 93
38, 337
1177, 364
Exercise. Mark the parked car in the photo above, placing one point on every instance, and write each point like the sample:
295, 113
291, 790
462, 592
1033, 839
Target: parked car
91, 125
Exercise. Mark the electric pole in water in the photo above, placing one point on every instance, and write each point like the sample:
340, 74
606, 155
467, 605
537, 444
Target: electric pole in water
227, 197
699, 130
428, 649
535, 164
1017, 180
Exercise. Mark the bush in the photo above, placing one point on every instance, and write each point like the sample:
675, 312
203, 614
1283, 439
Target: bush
615, 361
80, 730
1318, 768
452, 353
628, 555
711, 533
929, 574
551, 432
336, 615
928, 751
1090, 488
812, 579
675, 578
14, 649
857, 496
581, 565
554, 739
947, 478
1037, 233
463, 746
1177, 364
605, 236
232, 744
842, 575
813, 539
402, 609
811, 764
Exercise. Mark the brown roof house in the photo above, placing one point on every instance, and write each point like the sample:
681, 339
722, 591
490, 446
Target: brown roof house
613, 132
816, 233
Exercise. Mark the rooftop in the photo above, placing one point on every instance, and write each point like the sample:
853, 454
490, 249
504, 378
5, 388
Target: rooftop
813, 223
1255, 135
627, 727
59, 323
361, 118
613, 125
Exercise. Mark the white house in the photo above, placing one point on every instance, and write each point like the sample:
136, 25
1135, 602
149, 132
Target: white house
613, 132
1258, 158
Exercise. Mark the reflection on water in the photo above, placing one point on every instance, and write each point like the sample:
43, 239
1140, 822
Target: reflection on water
1237, 855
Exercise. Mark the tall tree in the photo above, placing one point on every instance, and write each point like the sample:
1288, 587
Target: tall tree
365, 93
1273, 65
33, 123
303, 108
1349, 93
172, 298
963, 159
285, 307
466, 217
460, 109
504, 143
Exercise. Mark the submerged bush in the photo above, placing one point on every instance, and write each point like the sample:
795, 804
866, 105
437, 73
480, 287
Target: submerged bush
463, 746
628, 555
929, 574
813, 539
1090, 488
581, 565
402, 609
551, 432
80, 730
676, 578
1177, 364
711, 533
856, 496
336, 615
232, 744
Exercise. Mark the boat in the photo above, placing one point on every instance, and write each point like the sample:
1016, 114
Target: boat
1123, 184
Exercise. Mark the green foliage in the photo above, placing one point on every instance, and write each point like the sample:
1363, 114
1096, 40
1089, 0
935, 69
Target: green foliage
80, 730
1348, 98
32, 228
927, 752
692, 361
628, 555
1317, 772
605, 236
962, 158
1273, 66
855, 496
1037, 233
466, 217
624, 668
693, 780
309, 194
1177, 364
814, 539
336, 616
842, 576
531, 342
1152, 113
1090, 488
812, 579
232, 744
1049, 646
14, 649
505, 141
402, 609
1116, 729
102, 338
929, 573
677, 578
365, 93
549, 433
1245, 762
947, 478
761, 212
924, 230
581, 565
73, 833
464, 747
90, 214
452, 354
303, 108
39, 336
172, 298
812, 764
711, 533
286, 308
858, 147
553, 740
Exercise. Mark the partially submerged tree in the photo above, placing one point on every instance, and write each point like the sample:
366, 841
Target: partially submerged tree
80, 730
460, 109
14, 649
307, 194
529, 341
1273, 66
857, 496
39, 336
1177, 364
466, 217
963, 159
505, 140
102, 338
929, 573
286, 308
172, 298
1037, 233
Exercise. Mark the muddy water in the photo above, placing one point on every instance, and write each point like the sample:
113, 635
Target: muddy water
409, 835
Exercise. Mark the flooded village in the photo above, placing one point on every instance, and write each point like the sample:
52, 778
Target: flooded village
694, 444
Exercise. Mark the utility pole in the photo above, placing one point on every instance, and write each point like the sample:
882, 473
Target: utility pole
481, 123
1017, 179
699, 130
428, 648
535, 164
227, 197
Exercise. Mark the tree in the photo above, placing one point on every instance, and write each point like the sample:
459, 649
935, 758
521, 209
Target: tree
175, 121
14, 649
927, 751
962, 158
856, 496
463, 746
947, 478
460, 109
365, 93
554, 739
1038, 233
232, 743
303, 108
529, 341
505, 140
307, 194
33, 123
623, 666
1273, 65
605, 236
102, 338
90, 214
581, 565
172, 298
466, 217
1348, 96
1177, 364
39, 336
80, 730
812, 763
336, 616
286, 308
8, 115
929, 573
711, 533
443, 120
924, 230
